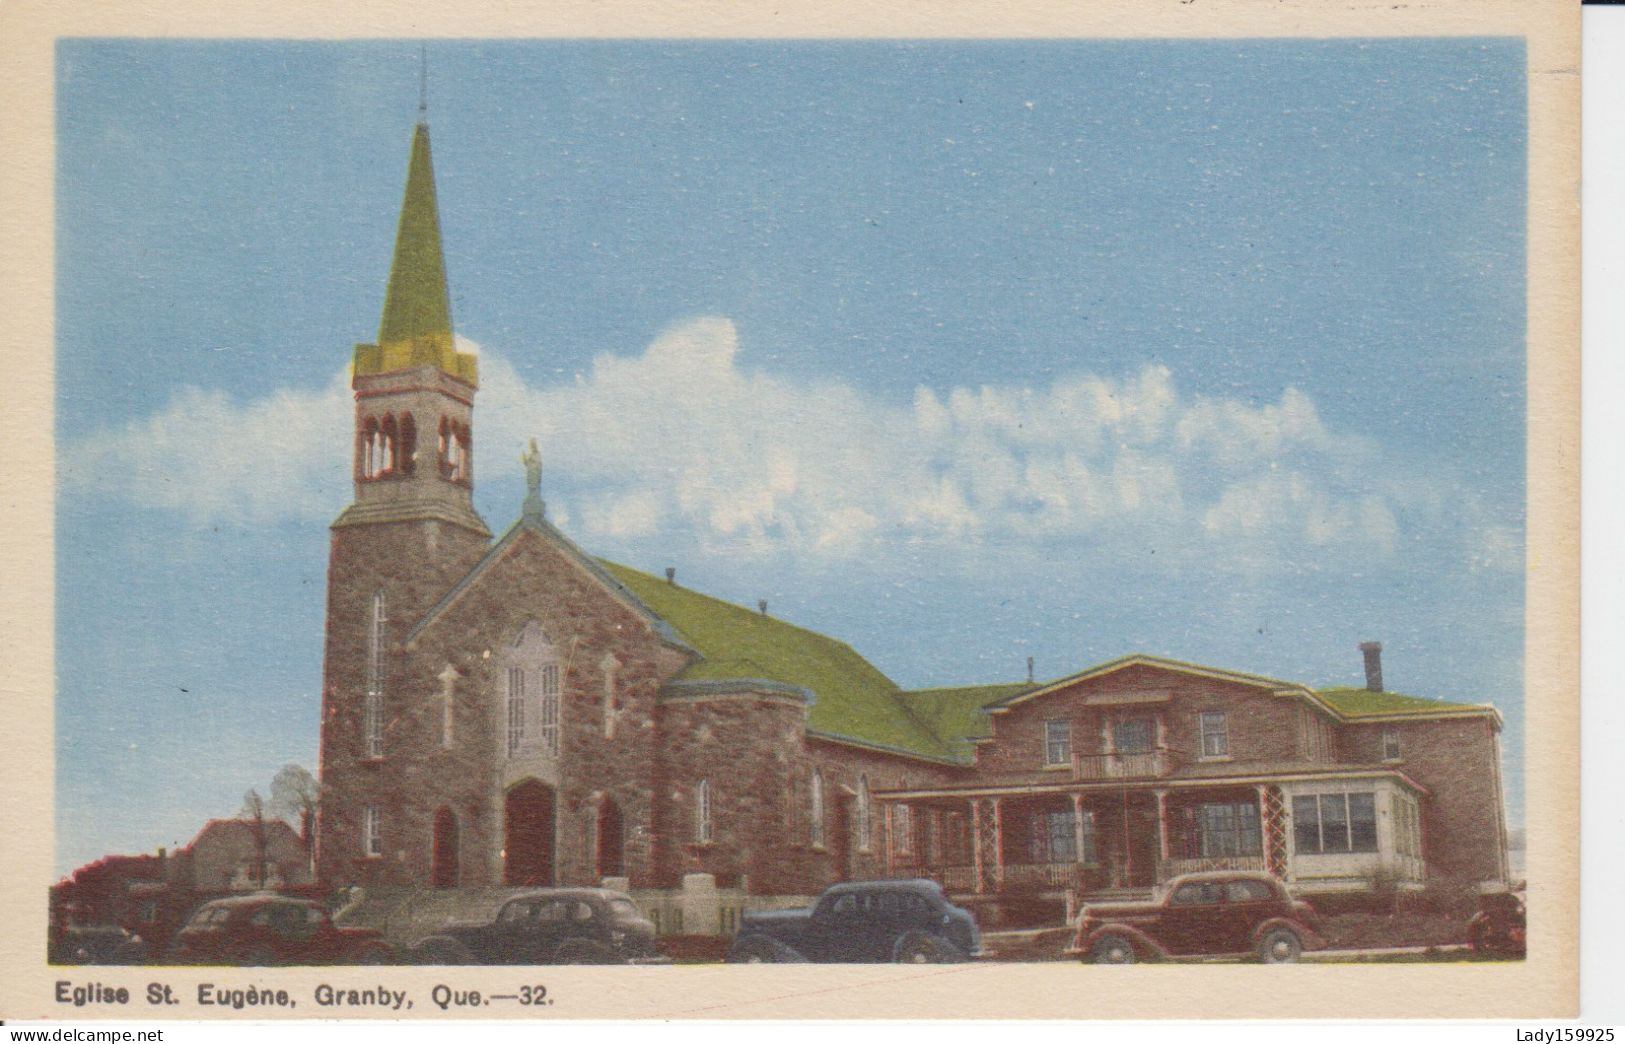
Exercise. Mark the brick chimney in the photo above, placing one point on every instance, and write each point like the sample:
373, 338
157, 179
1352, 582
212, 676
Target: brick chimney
1373, 665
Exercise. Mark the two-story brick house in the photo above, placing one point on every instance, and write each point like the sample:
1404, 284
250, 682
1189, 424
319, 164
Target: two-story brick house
517, 711
1126, 774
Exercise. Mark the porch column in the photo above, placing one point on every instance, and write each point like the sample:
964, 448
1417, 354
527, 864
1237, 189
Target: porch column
1265, 829
977, 862
998, 843
1162, 825
1077, 825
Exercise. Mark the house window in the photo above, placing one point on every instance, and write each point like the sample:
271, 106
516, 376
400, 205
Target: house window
550, 709
866, 823
1215, 734
702, 812
1335, 823
1228, 829
1057, 743
1133, 736
1055, 837
372, 832
1390, 744
516, 710
815, 809
902, 821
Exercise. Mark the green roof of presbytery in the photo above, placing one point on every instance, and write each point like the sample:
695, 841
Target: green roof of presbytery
852, 699
959, 715
416, 326
1363, 703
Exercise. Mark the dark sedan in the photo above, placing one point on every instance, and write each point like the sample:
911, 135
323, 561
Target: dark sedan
266, 929
548, 926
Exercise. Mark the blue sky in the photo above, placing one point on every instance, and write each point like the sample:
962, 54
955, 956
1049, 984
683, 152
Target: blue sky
963, 352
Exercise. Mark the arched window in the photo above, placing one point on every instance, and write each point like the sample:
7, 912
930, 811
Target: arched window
702, 812
369, 440
407, 457
373, 707
529, 677
866, 835
815, 809
391, 439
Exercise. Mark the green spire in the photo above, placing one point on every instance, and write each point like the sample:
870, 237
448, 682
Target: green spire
416, 326
418, 303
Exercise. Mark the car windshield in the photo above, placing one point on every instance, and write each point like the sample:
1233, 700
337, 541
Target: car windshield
209, 916
623, 908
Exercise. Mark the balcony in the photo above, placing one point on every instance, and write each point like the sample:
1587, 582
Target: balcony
1150, 764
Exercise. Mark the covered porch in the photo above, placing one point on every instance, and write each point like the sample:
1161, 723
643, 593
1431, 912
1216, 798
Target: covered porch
1084, 842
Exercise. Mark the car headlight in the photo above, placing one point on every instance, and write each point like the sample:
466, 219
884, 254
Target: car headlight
617, 937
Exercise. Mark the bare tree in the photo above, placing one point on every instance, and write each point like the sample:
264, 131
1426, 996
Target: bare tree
295, 796
253, 810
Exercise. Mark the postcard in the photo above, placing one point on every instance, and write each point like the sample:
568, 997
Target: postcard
839, 513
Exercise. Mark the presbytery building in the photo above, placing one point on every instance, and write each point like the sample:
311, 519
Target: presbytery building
510, 710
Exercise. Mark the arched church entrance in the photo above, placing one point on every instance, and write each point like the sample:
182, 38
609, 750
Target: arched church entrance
528, 816
443, 869
611, 840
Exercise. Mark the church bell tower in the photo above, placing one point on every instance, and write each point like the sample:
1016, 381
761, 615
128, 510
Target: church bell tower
414, 391
409, 534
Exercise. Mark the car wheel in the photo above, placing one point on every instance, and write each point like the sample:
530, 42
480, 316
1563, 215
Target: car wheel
926, 949
441, 951
1114, 949
755, 949
585, 951
374, 955
259, 957
1279, 946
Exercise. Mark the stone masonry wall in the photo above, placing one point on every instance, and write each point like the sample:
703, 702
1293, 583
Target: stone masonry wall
538, 580
364, 560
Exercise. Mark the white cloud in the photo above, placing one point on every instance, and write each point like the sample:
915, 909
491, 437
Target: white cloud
683, 438
216, 458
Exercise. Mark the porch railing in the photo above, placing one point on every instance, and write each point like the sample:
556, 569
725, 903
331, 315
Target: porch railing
1150, 764
1172, 868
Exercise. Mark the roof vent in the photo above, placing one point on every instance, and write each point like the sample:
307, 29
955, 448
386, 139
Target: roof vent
762, 605
671, 574
1373, 665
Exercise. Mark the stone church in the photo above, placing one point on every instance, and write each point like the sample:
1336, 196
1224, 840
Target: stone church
510, 710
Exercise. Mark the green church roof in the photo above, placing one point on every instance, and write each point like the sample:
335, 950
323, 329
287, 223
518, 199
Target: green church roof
1363, 703
852, 700
416, 326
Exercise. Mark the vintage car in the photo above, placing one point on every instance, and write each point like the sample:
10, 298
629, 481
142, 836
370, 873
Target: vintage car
548, 926
863, 922
1219, 914
266, 929
96, 944
1498, 928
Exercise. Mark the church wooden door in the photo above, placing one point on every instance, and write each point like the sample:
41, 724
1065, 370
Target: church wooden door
528, 834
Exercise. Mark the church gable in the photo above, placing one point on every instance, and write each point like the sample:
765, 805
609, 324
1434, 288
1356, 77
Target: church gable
533, 535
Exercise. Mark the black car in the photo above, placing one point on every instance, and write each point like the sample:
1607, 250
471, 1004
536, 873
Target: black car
548, 926
96, 944
268, 929
863, 922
